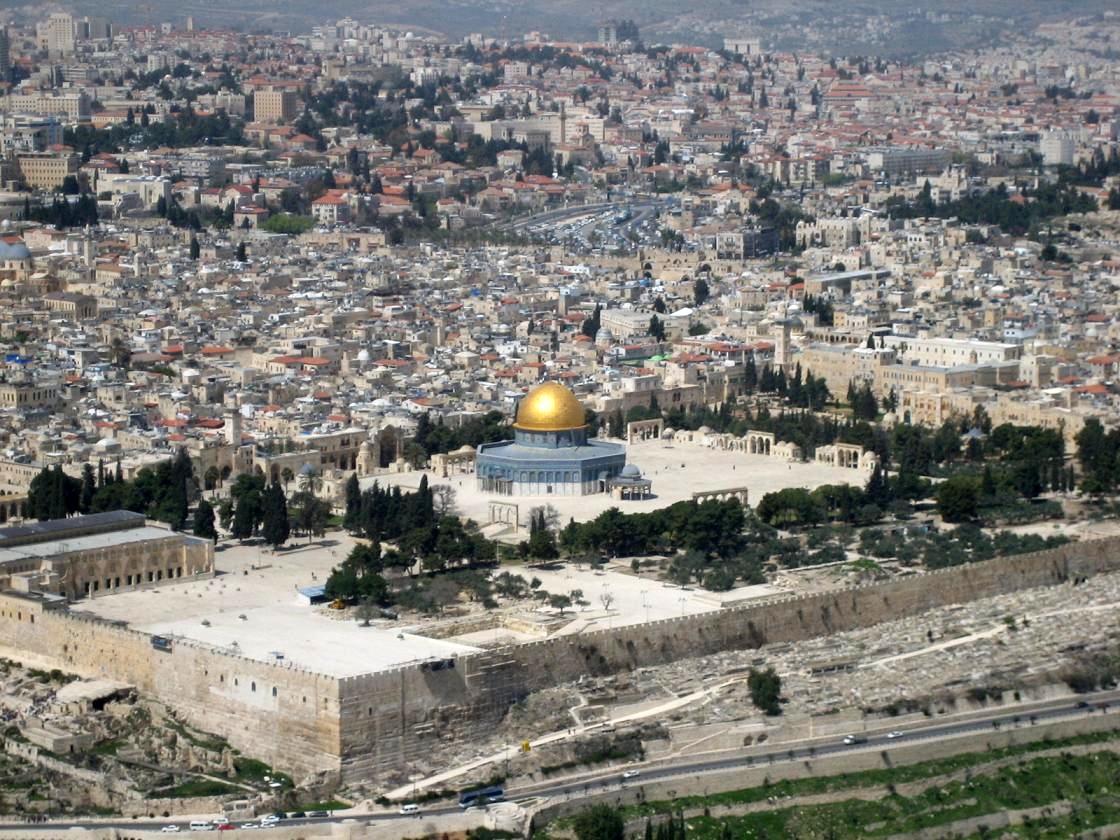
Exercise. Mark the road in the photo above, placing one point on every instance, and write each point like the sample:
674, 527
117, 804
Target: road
566, 220
682, 769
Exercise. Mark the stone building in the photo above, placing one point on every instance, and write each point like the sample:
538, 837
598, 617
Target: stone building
84, 556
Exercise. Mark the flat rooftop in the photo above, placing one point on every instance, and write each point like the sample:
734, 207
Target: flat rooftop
309, 639
87, 542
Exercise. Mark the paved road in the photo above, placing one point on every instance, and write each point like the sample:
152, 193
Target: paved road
686, 768
683, 768
641, 209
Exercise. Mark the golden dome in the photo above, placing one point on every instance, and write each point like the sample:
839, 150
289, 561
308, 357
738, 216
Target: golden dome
549, 407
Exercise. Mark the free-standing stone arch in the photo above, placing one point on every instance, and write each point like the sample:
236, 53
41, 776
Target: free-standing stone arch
641, 430
760, 443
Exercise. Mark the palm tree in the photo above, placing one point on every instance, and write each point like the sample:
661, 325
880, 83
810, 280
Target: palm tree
120, 353
286, 475
309, 480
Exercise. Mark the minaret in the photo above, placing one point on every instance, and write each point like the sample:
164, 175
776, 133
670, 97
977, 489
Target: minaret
782, 355
233, 428
89, 252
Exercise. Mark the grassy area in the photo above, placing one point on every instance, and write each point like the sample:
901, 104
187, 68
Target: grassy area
866, 778
250, 770
1031, 783
107, 747
330, 805
1027, 781
201, 787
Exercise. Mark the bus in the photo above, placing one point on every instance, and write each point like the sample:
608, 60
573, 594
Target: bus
476, 798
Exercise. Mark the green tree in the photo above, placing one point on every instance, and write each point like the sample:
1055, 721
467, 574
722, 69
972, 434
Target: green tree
656, 328
89, 487
195, 250
542, 543
591, 325
700, 291
1027, 480
274, 516
204, 521
353, 519
309, 514
958, 498
247, 514
766, 690
53, 494
791, 506
599, 822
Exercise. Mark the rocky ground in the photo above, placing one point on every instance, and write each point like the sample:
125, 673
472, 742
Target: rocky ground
996, 650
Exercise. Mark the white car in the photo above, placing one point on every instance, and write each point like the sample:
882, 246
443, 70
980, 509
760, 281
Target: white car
631, 774
170, 829
894, 733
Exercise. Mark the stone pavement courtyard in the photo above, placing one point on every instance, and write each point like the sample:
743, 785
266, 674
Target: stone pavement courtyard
251, 606
677, 471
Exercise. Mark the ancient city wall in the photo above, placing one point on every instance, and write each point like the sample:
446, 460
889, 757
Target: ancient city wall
391, 717
365, 727
796, 617
274, 712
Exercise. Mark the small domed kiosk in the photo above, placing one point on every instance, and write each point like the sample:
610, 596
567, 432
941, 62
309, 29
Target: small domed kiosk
550, 453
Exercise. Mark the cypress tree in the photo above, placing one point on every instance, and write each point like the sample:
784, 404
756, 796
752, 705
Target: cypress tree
275, 527
246, 515
204, 521
88, 489
352, 521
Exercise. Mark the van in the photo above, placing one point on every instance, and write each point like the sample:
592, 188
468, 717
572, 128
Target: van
201, 825
410, 808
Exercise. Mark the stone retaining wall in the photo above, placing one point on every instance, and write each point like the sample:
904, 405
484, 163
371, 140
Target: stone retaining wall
366, 726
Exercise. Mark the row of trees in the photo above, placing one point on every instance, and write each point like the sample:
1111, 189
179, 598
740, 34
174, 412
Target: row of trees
63, 213
711, 527
1098, 452
997, 207
422, 533
433, 438
256, 508
163, 492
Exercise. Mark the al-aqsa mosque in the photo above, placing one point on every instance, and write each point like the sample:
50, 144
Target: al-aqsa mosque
550, 453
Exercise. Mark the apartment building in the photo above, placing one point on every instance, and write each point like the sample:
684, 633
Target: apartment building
44, 170
274, 106
71, 106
